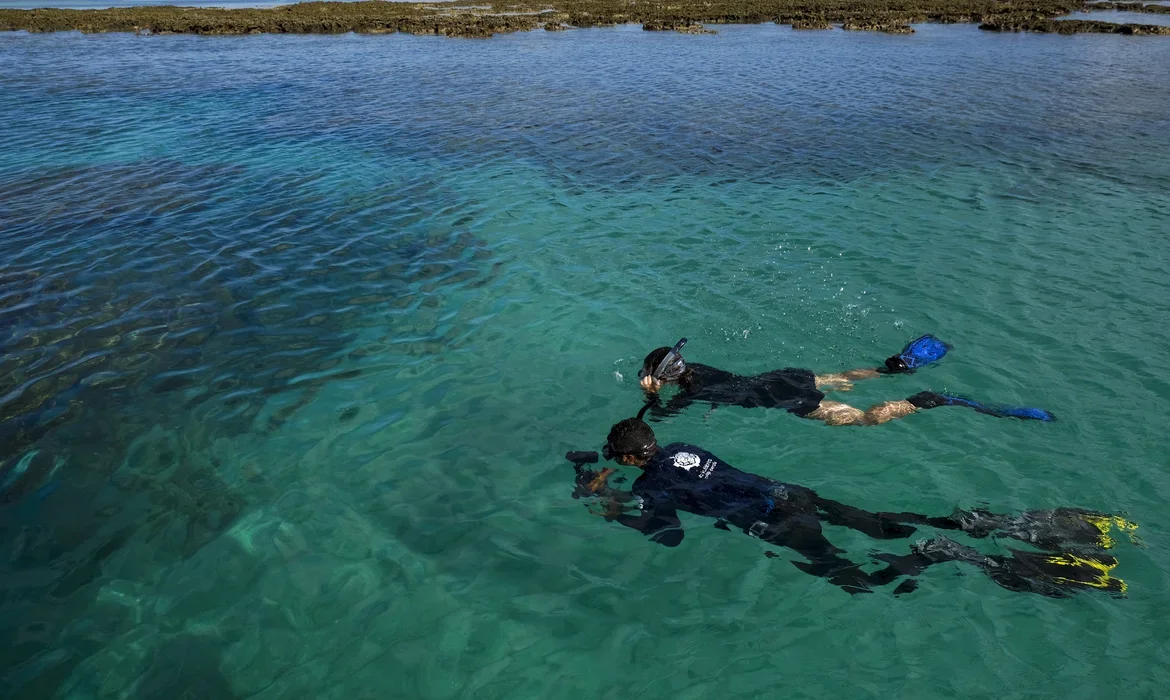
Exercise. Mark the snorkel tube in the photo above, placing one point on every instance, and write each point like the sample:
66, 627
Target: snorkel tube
674, 357
672, 366
581, 457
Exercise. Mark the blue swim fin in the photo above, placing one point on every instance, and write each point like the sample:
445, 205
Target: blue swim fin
930, 399
918, 353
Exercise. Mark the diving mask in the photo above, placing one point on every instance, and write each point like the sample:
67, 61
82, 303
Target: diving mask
611, 455
672, 366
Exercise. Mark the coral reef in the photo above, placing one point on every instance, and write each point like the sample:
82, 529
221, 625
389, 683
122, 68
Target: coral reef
688, 16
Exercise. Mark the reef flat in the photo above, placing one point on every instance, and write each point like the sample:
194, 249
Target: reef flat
484, 20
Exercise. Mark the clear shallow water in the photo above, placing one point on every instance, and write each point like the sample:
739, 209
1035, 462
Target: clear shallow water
297, 329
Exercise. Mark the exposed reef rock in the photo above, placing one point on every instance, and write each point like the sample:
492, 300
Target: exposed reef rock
1130, 7
684, 27
1009, 23
870, 26
688, 16
812, 23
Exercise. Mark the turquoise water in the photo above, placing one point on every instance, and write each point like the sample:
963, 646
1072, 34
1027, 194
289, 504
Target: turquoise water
298, 329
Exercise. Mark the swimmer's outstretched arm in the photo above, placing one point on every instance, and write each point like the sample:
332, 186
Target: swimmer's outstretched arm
659, 522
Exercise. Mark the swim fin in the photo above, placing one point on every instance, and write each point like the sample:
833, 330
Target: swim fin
918, 353
1059, 528
931, 399
1061, 574
1054, 575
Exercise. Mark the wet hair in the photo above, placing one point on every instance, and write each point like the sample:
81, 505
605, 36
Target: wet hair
632, 437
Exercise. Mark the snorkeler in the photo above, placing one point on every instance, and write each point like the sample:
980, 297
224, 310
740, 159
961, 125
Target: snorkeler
801, 392
687, 478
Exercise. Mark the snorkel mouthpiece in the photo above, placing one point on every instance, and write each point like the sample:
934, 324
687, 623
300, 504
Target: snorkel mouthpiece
672, 365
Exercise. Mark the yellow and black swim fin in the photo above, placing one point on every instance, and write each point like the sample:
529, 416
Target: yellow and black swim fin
1051, 574
1056, 529
1068, 571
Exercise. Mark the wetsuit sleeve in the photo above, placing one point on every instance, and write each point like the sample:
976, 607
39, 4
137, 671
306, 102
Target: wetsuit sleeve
675, 406
660, 524
677, 403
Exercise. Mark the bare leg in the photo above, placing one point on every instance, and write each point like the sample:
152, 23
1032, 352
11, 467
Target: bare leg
837, 413
843, 381
888, 411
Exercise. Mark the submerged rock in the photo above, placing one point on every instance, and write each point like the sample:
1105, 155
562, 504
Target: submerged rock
813, 23
683, 27
887, 27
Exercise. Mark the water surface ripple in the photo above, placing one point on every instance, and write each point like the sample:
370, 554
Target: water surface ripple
296, 329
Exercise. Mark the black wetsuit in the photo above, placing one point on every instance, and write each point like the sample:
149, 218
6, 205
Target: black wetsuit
791, 389
688, 478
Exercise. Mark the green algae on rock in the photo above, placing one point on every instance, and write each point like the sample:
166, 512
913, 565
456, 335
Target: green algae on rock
461, 20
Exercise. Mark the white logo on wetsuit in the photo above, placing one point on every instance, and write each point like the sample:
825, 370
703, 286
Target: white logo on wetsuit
688, 461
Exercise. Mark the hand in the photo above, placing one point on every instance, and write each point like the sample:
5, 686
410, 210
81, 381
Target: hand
650, 384
598, 481
609, 509
590, 482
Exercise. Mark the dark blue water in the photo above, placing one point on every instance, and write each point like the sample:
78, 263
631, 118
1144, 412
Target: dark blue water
297, 329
